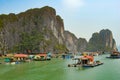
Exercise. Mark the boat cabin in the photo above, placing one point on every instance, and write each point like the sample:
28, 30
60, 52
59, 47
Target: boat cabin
86, 60
115, 54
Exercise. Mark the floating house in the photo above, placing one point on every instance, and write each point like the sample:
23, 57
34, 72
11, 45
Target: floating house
86, 62
41, 57
21, 57
114, 55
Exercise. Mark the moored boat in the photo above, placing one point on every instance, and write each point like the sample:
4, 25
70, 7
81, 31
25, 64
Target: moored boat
96, 63
114, 55
86, 62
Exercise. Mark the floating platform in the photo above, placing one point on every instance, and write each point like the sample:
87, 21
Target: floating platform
96, 63
114, 57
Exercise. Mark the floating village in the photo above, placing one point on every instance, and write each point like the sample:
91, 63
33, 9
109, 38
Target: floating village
59, 40
85, 59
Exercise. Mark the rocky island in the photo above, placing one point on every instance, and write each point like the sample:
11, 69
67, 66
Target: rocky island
41, 30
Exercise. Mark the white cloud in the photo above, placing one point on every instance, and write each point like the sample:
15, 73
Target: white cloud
73, 4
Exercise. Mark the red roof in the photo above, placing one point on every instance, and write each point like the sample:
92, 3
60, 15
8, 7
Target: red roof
115, 52
21, 55
91, 58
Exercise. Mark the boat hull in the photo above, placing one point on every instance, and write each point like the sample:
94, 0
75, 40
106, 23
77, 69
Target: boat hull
94, 65
115, 57
85, 65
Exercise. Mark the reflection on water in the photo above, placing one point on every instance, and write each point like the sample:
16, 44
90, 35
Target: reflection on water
57, 69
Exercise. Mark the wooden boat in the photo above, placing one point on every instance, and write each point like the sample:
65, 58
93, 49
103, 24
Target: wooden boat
86, 65
114, 55
86, 62
96, 63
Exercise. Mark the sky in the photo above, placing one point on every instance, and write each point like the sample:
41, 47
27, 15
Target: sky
81, 17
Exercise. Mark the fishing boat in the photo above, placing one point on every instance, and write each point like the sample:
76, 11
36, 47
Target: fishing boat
86, 62
114, 55
96, 63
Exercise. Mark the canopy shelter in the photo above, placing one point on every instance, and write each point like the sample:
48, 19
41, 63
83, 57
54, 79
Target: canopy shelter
90, 58
41, 56
87, 59
21, 57
116, 52
36, 57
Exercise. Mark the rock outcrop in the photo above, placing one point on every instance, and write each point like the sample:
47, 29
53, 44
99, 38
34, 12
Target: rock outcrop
81, 44
41, 30
44, 21
102, 41
71, 41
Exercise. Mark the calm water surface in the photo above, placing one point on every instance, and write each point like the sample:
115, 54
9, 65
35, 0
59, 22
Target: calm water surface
57, 69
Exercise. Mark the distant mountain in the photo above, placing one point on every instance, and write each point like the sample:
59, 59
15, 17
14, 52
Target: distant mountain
41, 30
102, 41
81, 44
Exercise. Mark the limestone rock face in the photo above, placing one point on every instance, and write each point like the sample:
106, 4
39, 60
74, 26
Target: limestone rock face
45, 22
71, 41
81, 44
102, 41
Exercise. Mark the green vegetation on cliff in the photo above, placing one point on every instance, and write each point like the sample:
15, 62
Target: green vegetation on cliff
29, 41
40, 29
